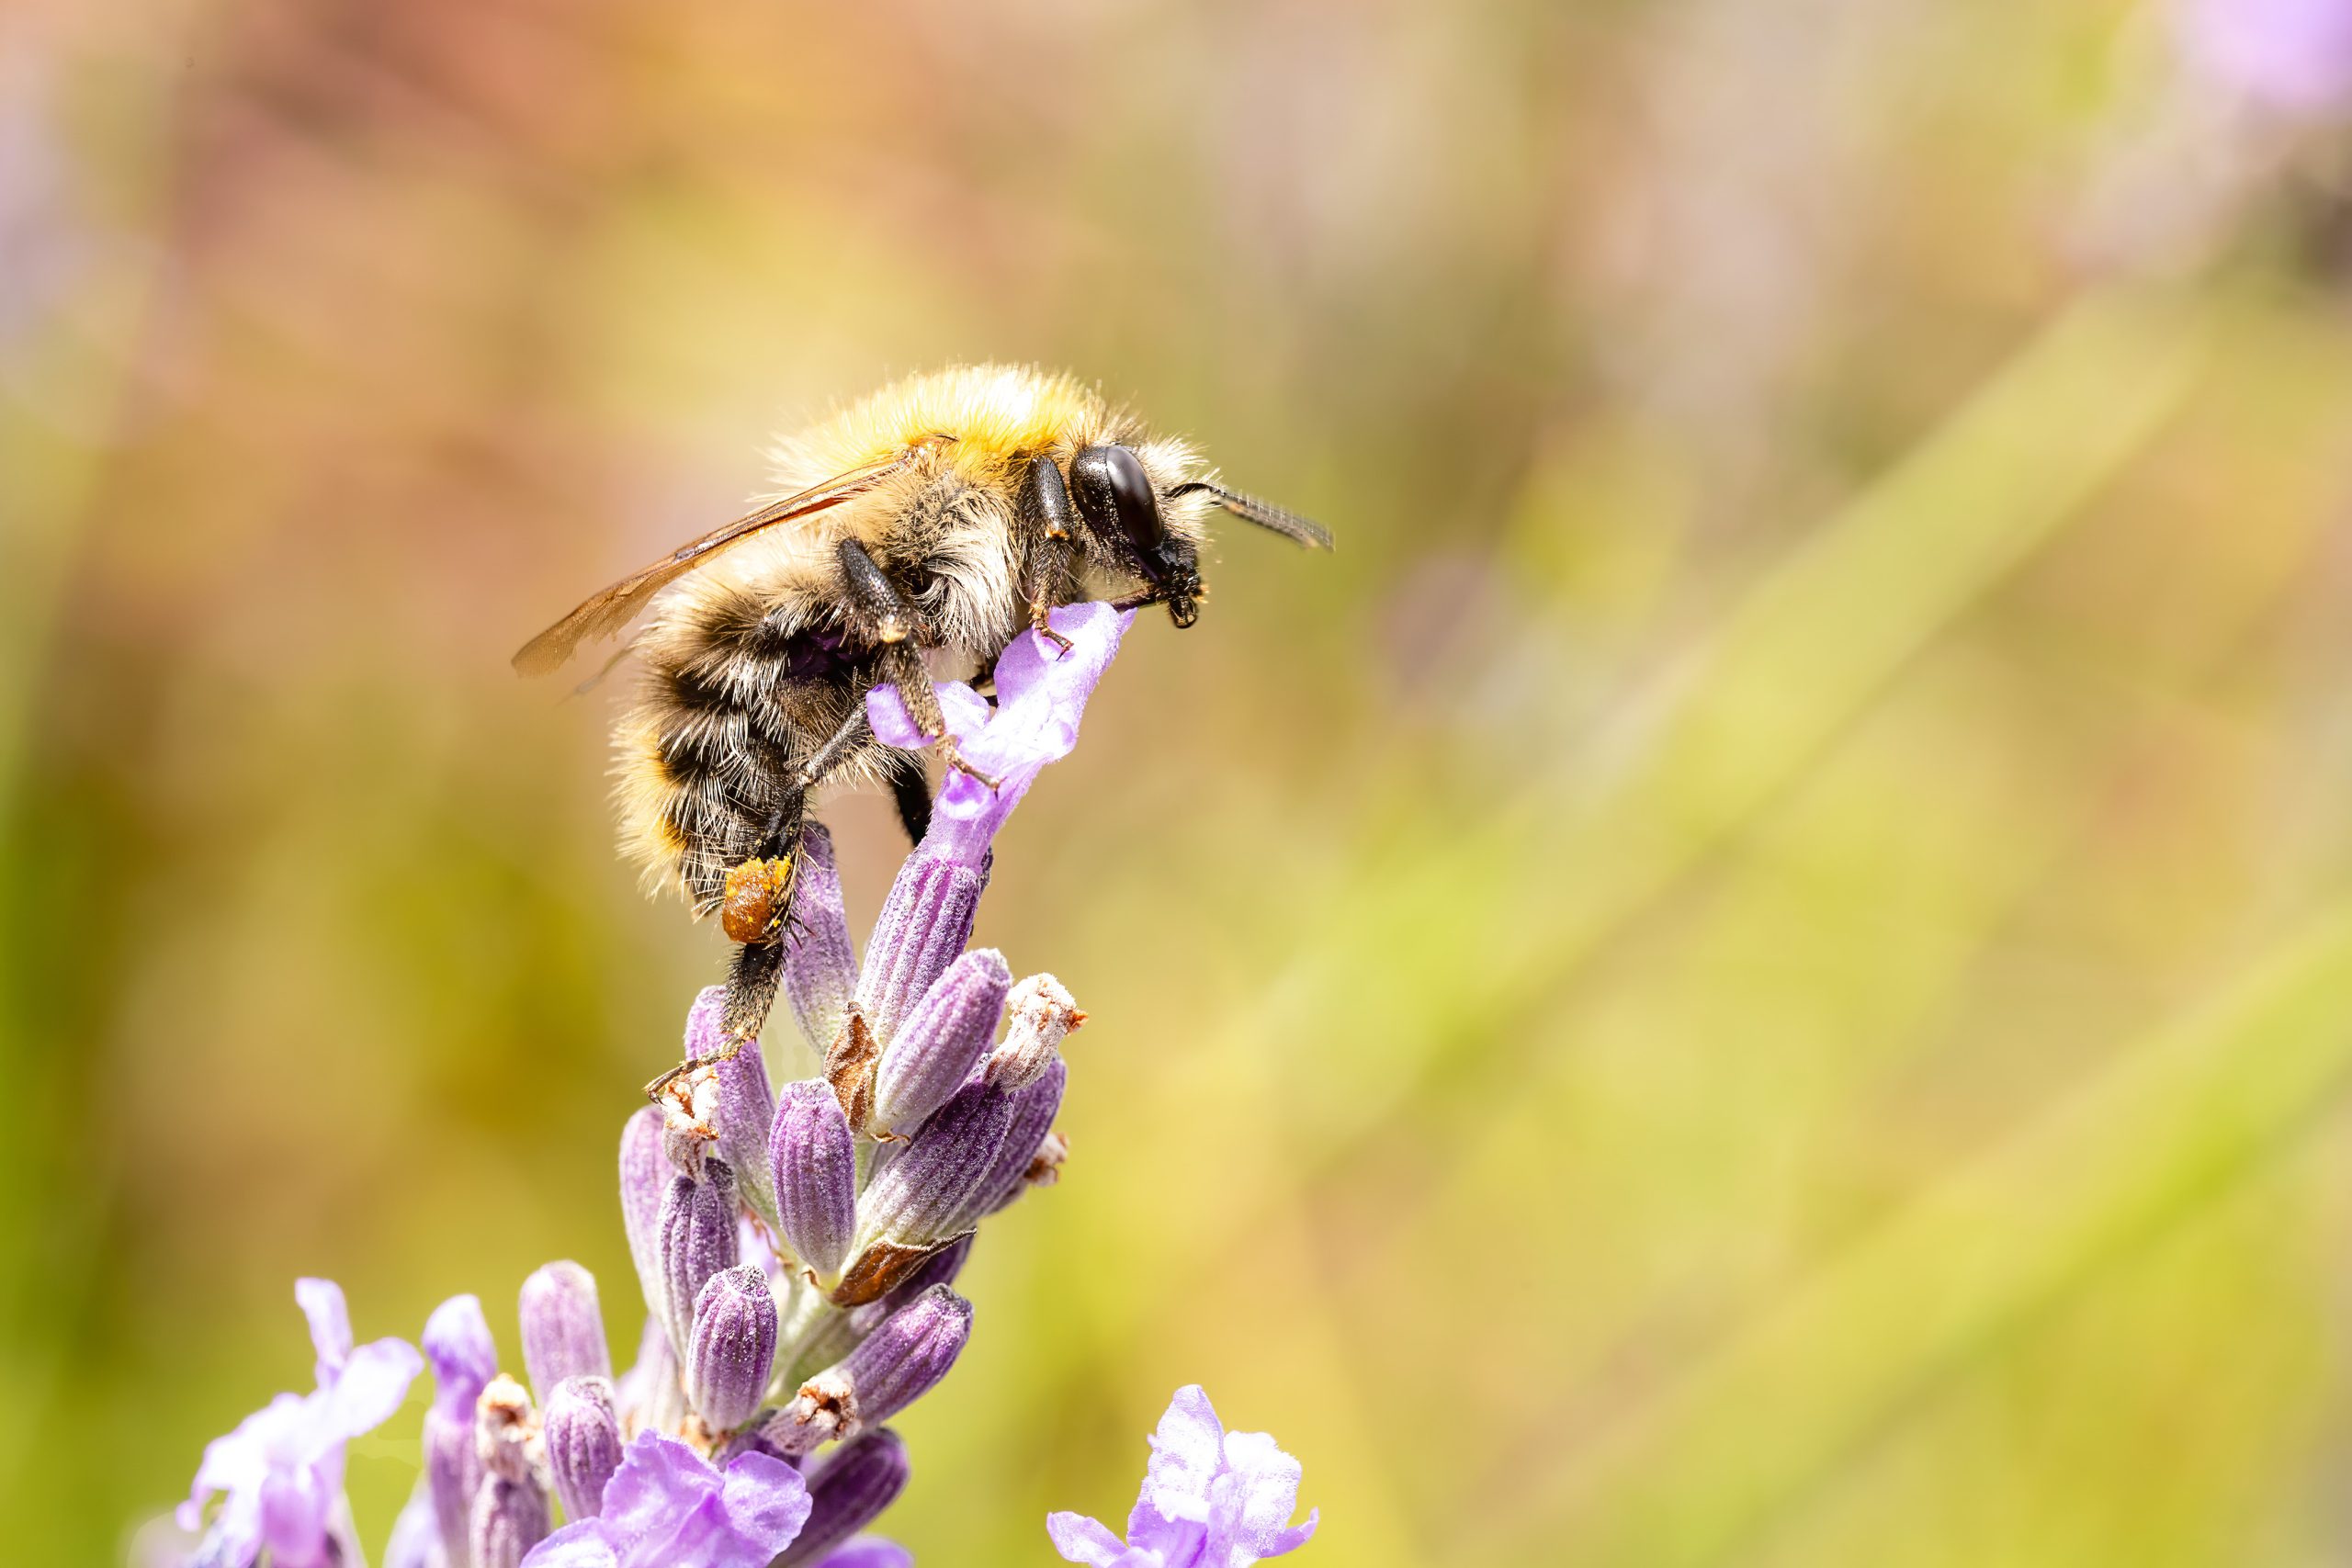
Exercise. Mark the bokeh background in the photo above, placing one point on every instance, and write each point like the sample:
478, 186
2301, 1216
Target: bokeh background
1757, 970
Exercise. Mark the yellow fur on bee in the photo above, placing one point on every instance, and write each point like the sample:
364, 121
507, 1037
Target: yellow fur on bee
996, 413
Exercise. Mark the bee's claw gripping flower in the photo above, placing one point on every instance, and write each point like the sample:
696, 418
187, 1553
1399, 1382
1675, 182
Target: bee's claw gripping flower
281, 1469
667, 1506
733, 1348
563, 1331
583, 1443
847, 1491
1209, 1496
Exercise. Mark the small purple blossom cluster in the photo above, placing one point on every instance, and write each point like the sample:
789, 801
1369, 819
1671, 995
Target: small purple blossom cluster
796, 1247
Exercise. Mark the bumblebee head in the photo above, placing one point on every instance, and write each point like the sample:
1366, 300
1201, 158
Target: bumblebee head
1116, 503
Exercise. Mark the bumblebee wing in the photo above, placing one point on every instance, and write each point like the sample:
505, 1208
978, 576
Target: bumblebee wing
603, 613
1265, 513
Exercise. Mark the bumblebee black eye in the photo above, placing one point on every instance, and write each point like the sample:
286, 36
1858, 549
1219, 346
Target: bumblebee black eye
1114, 494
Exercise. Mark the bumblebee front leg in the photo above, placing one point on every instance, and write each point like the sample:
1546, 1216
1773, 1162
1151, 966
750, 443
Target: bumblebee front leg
892, 623
1045, 507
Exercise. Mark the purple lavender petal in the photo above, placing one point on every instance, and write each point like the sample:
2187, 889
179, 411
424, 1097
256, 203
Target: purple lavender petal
583, 1443
1251, 1503
667, 1507
816, 1176
746, 1104
941, 1040
1082, 1539
820, 961
847, 1491
646, 1173
924, 926
733, 1348
1187, 1450
697, 1241
1041, 695
921, 1196
563, 1329
321, 1302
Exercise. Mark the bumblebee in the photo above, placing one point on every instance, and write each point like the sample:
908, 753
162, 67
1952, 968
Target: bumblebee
924, 527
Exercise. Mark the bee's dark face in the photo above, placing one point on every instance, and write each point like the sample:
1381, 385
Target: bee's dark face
1116, 502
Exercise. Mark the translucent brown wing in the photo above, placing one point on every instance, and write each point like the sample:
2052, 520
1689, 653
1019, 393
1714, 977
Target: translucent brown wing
1265, 513
601, 614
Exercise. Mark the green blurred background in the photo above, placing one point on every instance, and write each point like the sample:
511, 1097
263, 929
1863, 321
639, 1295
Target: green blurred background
1757, 971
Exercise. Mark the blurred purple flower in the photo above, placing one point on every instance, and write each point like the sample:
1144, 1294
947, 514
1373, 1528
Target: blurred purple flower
667, 1505
2293, 56
281, 1469
1211, 1499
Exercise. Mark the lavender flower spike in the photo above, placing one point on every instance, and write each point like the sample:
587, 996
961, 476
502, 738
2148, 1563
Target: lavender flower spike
464, 1357
667, 1507
941, 1040
563, 1330
583, 1444
281, 1468
646, 1173
816, 1177
1209, 1496
897, 1364
919, 1199
848, 1490
733, 1348
1041, 694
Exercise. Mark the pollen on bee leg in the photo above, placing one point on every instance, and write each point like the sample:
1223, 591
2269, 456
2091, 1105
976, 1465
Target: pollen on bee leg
753, 898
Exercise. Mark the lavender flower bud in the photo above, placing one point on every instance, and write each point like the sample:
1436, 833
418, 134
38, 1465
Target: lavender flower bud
848, 1492
505, 1436
733, 1348
820, 964
923, 925
646, 1174
816, 1177
942, 1038
464, 1359
745, 1105
510, 1518
898, 1363
563, 1331
583, 1444
453, 1474
922, 1198
697, 1240
1030, 1126
1039, 1015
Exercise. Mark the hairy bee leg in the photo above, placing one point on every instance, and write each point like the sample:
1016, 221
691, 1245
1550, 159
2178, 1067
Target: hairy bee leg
892, 623
853, 729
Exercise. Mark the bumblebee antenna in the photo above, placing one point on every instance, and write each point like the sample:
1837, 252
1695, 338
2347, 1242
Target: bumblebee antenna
1264, 514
